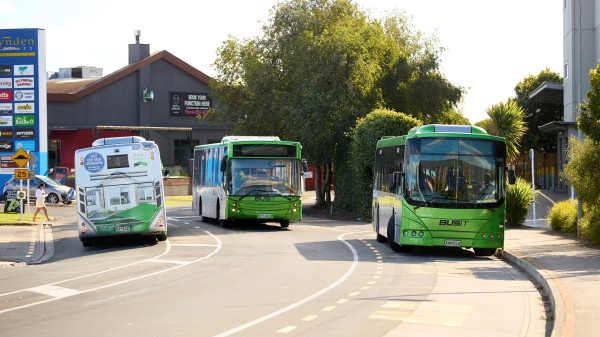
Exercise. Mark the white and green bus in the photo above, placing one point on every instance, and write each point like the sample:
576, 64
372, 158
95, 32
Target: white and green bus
119, 190
440, 185
248, 178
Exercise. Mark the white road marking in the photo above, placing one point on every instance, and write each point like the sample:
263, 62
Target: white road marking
192, 245
65, 293
302, 301
55, 291
169, 261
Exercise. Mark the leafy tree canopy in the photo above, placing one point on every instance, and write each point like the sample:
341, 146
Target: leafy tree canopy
589, 120
318, 67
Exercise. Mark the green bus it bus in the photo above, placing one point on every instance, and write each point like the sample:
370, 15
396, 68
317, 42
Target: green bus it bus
440, 185
248, 178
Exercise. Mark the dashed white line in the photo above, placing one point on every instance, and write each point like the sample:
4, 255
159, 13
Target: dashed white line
302, 301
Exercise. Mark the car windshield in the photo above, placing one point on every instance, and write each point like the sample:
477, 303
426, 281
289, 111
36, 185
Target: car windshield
454, 172
49, 181
265, 177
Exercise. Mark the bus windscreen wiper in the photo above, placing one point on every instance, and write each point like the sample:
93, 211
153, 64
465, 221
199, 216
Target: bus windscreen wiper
427, 202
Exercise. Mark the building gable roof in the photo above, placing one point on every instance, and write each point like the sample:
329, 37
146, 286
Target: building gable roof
69, 90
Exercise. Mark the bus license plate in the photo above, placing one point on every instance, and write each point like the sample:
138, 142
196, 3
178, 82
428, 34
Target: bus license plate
264, 216
122, 229
453, 243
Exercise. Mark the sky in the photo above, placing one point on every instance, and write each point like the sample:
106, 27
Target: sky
490, 45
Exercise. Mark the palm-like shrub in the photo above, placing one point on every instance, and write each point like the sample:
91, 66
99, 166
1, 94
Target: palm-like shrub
518, 198
508, 121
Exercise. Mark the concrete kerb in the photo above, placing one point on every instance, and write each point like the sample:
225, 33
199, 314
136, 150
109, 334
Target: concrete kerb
546, 281
46, 244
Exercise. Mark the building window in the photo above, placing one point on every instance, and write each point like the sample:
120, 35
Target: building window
53, 153
566, 70
183, 152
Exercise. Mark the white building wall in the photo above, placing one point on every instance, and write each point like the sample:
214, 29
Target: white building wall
581, 50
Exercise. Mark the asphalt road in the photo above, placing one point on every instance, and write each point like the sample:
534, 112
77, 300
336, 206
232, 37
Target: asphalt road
318, 278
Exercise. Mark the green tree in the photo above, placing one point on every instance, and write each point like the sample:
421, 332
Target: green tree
507, 120
589, 120
486, 124
355, 188
319, 66
548, 112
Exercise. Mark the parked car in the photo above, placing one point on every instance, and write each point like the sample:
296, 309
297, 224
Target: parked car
56, 192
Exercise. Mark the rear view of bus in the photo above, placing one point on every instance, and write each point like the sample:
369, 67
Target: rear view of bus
441, 185
119, 190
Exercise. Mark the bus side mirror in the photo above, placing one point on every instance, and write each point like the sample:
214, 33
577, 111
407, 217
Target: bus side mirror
511, 176
223, 165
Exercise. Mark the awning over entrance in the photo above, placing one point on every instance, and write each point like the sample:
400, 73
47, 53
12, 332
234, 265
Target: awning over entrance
553, 128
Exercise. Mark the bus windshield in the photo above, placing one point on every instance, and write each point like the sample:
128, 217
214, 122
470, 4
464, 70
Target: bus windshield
264, 177
456, 172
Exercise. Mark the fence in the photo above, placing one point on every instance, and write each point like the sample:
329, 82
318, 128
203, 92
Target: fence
545, 166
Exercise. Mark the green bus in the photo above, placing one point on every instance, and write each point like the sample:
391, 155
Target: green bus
440, 185
248, 178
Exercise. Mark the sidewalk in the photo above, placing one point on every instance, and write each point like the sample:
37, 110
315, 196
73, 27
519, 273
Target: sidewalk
568, 269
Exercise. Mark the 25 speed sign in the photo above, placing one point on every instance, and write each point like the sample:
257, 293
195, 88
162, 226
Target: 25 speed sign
21, 174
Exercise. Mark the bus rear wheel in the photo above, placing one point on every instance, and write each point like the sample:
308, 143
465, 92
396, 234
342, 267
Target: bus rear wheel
202, 218
222, 222
484, 251
380, 238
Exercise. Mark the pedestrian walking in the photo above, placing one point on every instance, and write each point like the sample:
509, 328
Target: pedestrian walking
40, 197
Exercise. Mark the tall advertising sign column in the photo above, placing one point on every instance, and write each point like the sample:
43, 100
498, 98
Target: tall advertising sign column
23, 106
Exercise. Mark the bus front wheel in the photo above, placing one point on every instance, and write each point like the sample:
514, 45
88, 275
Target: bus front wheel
284, 223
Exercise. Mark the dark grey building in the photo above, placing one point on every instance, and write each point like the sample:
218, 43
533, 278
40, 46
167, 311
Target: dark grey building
156, 96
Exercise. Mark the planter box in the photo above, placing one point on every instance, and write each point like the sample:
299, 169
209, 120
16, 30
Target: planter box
178, 186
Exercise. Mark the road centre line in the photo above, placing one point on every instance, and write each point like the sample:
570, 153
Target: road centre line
170, 261
64, 291
192, 245
305, 300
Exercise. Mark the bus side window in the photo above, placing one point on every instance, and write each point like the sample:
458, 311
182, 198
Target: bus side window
399, 178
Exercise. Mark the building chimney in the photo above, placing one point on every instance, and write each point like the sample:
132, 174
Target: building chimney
138, 51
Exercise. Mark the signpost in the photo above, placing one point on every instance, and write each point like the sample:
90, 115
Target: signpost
21, 158
531, 156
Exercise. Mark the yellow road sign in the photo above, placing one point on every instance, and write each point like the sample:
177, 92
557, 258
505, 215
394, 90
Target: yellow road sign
21, 174
21, 157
